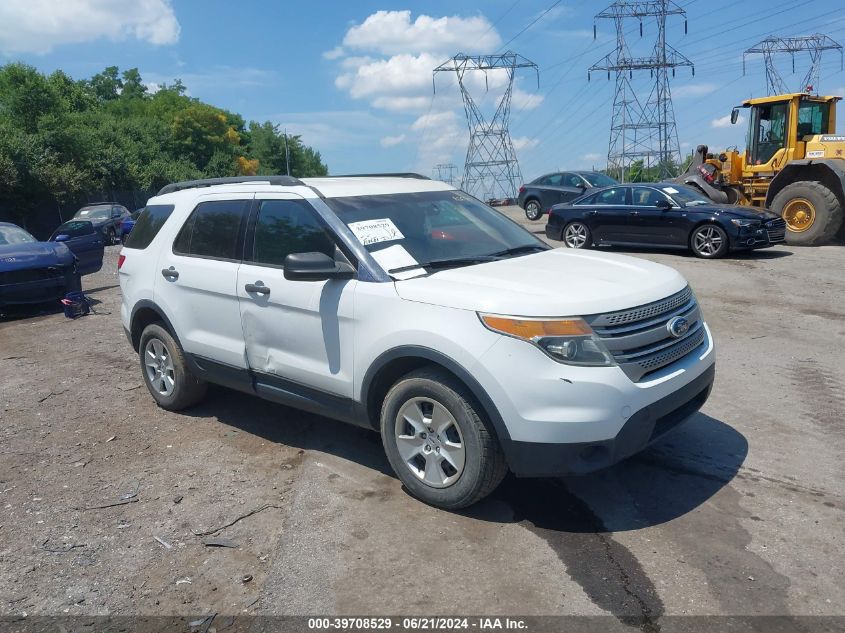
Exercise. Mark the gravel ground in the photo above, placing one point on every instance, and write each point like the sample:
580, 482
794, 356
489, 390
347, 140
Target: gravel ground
739, 512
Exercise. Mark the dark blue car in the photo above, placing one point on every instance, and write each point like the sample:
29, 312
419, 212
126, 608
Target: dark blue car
37, 272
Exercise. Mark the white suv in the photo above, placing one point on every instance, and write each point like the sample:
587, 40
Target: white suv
403, 305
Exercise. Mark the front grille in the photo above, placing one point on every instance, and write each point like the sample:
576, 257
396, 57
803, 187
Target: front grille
776, 230
639, 338
29, 274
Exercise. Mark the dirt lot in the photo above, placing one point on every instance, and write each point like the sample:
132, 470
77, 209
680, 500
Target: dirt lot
738, 512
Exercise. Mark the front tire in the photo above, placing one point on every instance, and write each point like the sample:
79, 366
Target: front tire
709, 241
577, 235
166, 373
438, 442
812, 212
533, 210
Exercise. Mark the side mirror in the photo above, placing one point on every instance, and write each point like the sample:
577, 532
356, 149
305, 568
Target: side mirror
61, 238
315, 267
734, 116
663, 204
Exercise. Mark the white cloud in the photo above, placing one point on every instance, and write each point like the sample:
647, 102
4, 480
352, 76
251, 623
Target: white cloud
400, 74
592, 157
693, 90
390, 141
524, 142
393, 32
215, 77
725, 121
334, 53
38, 26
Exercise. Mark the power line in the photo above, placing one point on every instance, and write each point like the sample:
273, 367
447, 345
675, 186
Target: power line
530, 24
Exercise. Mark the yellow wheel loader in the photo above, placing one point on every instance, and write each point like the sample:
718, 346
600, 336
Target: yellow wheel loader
793, 164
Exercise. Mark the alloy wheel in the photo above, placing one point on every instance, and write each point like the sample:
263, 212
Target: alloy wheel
429, 442
159, 367
533, 210
707, 241
575, 235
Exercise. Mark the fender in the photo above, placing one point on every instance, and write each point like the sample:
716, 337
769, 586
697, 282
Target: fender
832, 168
417, 351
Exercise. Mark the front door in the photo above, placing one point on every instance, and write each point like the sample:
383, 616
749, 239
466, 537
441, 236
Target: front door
85, 242
297, 332
650, 224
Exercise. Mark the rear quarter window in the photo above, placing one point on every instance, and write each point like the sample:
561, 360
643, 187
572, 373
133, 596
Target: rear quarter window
212, 230
149, 223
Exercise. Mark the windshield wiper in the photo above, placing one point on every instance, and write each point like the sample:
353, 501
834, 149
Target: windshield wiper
528, 248
446, 263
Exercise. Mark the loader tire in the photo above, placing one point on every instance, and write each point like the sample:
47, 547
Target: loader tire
812, 212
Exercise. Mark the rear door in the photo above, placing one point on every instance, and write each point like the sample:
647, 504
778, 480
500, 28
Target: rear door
610, 215
196, 278
298, 333
84, 241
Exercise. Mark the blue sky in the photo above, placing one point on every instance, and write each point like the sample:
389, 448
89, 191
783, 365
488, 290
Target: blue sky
354, 77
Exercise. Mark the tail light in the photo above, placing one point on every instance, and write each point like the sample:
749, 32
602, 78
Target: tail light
522, 189
120, 259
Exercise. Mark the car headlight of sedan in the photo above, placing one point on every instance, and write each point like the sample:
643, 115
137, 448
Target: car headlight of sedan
570, 341
744, 222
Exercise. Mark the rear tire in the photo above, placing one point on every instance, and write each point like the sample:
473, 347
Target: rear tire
111, 239
438, 442
794, 202
533, 210
577, 235
166, 373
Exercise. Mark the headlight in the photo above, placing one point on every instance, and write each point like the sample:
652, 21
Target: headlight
569, 341
743, 222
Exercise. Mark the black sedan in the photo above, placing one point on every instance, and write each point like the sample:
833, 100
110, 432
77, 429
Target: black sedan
106, 218
541, 193
664, 215
33, 271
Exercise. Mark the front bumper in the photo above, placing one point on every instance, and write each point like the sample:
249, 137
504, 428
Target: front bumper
646, 426
561, 419
48, 288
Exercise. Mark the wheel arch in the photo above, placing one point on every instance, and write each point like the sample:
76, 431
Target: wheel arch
144, 313
391, 365
714, 222
828, 172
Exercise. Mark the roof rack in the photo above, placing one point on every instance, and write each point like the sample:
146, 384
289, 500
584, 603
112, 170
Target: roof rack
289, 181
408, 174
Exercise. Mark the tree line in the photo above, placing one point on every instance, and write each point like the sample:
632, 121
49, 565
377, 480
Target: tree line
60, 137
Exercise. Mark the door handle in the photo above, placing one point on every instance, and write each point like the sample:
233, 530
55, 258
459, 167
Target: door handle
170, 273
633, 213
262, 290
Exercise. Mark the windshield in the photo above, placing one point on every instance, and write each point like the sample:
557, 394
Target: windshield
93, 213
685, 196
599, 180
401, 230
14, 235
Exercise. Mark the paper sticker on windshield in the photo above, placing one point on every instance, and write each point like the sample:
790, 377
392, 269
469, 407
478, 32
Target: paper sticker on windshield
670, 190
84, 212
398, 262
375, 231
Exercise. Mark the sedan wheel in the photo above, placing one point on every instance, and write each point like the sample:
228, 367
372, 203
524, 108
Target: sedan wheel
709, 242
533, 210
576, 235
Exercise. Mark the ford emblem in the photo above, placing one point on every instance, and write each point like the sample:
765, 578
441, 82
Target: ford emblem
677, 326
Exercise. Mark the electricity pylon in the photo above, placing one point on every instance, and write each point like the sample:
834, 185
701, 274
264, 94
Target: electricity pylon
812, 44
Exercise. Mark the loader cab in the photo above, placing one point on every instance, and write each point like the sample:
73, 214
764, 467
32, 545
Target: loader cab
779, 125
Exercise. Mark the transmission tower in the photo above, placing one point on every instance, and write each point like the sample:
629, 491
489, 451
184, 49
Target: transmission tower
642, 128
447, 172
491, 171
812, 44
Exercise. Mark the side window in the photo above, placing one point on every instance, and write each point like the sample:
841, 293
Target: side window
148, 224
646, 197
553, 180
212, 230
591, 199
541, 181
571, 180
288, 226
611, 196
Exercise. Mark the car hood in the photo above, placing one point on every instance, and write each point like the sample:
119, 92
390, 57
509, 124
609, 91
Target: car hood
559, 282
33, 255
733, 211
